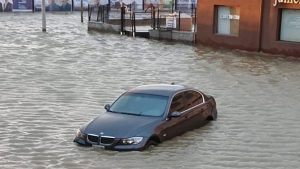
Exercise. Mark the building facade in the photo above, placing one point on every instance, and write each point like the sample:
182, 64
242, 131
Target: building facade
281, 27
271, 26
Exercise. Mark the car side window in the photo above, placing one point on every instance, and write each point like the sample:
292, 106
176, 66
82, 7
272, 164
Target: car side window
178, 103
192, 98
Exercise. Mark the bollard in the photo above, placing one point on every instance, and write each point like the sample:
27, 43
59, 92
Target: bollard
43, 16
89, 12
81, 10
122, 19
134, 27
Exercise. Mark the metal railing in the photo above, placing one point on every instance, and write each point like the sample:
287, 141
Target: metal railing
131, 18
183, 20
101, 11
157, 16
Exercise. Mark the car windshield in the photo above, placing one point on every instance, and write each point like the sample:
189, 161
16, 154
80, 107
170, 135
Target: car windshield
140, 104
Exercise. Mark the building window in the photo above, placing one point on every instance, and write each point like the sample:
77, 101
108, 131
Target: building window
290, 25
227, 20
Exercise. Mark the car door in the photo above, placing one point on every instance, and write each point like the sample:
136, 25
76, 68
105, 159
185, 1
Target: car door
197, 108
174, 126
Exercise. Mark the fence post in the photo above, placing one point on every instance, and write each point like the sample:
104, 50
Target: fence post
195, 25
122, 19
81, 10
103, 13
153, 17
158, 16
43, 16
173, 6
132, 22
192, 11
179, 21
98, 13
89, 12
107, 13
134, 30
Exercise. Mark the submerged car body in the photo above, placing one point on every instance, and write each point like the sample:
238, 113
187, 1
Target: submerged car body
148, 115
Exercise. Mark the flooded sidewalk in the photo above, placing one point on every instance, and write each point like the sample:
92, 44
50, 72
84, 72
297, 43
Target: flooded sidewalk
52, 83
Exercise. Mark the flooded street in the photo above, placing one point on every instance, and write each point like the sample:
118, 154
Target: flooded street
52, 83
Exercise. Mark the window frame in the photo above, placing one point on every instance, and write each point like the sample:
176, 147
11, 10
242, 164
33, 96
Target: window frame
194, 93
216, 21
184, 111
279, 26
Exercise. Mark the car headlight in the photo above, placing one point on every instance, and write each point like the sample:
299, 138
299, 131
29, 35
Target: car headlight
79, 134
132, 140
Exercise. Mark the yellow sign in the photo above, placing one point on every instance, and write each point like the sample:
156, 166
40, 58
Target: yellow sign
276, 2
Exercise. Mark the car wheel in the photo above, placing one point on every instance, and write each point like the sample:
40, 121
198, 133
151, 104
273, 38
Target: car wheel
214, 114
149, 144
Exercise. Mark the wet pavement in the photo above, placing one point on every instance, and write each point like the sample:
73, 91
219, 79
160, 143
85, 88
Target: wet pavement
52, 83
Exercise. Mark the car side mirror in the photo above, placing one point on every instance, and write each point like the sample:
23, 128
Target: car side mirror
107, 107
175, 114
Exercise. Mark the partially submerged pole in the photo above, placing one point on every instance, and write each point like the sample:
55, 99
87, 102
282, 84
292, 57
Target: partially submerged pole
81, 9
122, 19
43, 16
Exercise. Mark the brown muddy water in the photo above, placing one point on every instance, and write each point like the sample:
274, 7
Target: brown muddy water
52, 83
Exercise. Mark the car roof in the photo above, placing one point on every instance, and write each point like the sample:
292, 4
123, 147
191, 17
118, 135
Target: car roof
159, 89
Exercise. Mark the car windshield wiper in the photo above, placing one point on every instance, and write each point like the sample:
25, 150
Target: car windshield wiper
128, 113
131, 113
139, 114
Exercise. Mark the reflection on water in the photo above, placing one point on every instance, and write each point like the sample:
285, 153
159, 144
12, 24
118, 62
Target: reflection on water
51, 83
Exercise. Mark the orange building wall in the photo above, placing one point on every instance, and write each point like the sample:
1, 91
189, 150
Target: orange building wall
249, 30
271, 28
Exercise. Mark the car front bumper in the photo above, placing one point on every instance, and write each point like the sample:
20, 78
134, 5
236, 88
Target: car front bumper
115, 146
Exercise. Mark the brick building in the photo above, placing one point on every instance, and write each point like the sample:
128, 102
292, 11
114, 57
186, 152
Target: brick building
271, 26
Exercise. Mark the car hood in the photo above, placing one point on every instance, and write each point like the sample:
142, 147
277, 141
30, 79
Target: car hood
121, 125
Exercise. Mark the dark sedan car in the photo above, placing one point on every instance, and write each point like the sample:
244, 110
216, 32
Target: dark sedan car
148, 115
